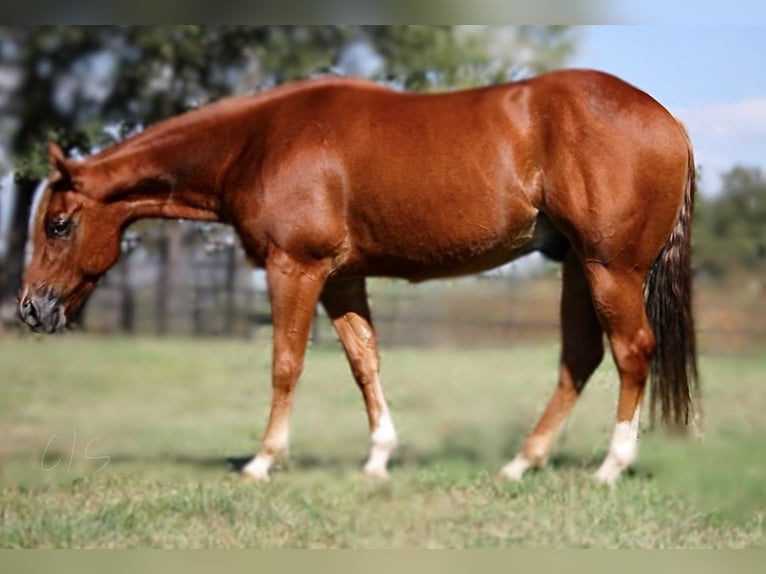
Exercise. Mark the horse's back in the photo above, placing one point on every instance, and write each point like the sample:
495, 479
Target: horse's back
415, 184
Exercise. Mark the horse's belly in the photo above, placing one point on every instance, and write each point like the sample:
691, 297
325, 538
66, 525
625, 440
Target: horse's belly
422, 254
475, 263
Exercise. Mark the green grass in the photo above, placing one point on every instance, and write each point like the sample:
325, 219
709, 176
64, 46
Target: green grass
174, 416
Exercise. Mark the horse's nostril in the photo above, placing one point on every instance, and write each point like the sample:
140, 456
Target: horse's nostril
32, 310
29, 311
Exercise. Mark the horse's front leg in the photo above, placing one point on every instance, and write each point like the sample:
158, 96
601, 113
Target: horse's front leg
347, 307
294, 288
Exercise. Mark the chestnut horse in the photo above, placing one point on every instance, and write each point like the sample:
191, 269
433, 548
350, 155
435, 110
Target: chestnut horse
331, 180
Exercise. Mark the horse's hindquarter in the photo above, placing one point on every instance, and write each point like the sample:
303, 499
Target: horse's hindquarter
615, 166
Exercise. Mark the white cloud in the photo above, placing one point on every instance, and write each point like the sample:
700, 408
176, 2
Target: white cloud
728, 122
726, 134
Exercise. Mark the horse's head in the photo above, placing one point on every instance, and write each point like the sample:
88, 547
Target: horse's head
76, 239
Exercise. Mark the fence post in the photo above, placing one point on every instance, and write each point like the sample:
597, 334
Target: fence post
315, 336
229, 303
197, 313
161, 300
127, 303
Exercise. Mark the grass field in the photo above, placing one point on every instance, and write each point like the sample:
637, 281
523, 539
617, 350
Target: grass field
114, 442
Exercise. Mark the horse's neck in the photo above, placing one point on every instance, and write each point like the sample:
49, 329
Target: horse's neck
157, 179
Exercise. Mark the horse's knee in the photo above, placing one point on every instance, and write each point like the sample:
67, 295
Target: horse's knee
363, 358
286, 369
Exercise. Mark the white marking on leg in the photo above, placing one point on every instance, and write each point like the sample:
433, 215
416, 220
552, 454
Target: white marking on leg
383, 439
515, 469
258, 468
538, 448
622, 450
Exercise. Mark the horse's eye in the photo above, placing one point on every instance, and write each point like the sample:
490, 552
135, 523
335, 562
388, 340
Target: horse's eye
58, 228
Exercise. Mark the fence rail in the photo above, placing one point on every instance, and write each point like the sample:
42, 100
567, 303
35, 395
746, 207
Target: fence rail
183, 283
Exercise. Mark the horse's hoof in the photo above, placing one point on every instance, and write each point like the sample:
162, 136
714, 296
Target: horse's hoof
254, 476
607, 475
504, 476
375, 473
514, 470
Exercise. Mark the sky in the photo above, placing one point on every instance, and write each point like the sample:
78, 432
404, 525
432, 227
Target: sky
686, 12
712, 77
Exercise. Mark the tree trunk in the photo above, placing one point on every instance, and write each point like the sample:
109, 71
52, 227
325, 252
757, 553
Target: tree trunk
12, 266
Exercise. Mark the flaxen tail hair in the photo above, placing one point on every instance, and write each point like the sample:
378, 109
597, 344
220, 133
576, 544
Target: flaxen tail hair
668, 293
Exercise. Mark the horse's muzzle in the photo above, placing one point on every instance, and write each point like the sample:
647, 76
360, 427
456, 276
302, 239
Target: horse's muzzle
41, 312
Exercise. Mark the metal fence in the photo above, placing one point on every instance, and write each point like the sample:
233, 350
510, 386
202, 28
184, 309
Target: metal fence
187, 280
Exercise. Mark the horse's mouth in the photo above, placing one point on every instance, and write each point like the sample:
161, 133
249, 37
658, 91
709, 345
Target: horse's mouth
42, 314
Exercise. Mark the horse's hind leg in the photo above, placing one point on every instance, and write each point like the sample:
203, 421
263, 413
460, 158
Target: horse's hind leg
346, 304
619, 302
581, 352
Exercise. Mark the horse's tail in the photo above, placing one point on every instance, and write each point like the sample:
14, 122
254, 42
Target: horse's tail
668, 292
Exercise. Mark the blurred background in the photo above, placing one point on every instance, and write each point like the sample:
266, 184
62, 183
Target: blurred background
88, 87
166, 372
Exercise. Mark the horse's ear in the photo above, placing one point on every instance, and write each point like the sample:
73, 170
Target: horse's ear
61, 170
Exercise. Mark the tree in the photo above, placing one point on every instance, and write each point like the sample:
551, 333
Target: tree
730, 230
439, 57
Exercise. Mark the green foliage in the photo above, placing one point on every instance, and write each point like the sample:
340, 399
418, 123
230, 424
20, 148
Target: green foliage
75, 80
438, 57
730, 229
